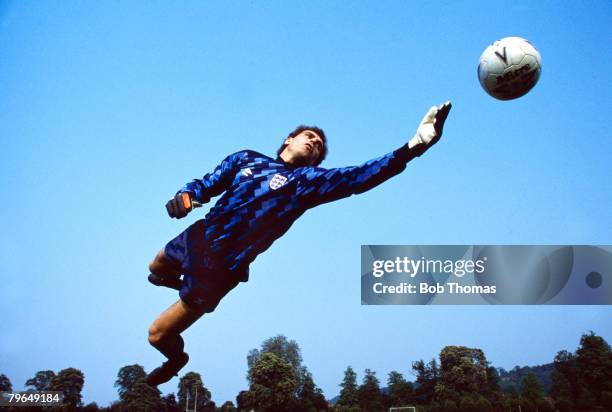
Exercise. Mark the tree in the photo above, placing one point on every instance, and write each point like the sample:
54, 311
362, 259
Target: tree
449, 406
310, 397
563, 375
369, 395
170, 404
70, 382
462, 370
228, 406
348, 393
90, 407
594, 362
531, 388
466, 403
273, 384
127, 378
428, 376
142, 398
242, 401
287, 350
279, 345
401, 392
5, 383
492, 380
583, 380
306, 393
41, 381
482, 405
190, 386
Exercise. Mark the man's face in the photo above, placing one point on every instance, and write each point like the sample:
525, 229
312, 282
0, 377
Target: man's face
305, 148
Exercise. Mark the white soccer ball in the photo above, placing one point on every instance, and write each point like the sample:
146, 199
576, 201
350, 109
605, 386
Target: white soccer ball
509, 68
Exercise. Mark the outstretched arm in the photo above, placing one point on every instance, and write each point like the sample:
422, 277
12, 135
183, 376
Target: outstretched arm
326, 185
201, 190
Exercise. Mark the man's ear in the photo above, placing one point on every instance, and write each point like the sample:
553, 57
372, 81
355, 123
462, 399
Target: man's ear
288, 140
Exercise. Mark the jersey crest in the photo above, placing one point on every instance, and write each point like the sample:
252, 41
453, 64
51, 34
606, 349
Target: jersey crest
277, 181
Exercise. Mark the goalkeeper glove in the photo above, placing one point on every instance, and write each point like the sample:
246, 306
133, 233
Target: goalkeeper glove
180, 205
430, 129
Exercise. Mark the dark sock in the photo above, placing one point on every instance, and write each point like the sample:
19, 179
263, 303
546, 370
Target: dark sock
171, 348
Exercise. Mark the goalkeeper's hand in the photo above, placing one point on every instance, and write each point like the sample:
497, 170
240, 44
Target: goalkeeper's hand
180, 205
430, 129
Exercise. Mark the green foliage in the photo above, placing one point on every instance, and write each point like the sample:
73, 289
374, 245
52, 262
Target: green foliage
287, 350
428, 376
449, 406
192, 393
170, 404
348, 393
242, 401
492, 381
462, 370
466, 403
531, 388
70, 382
90, 407
544, 405
310, 397
400, 390
368, 393
141, 398
5, 383
134, 394
41, 381
482, 405
307, 397
127, 378
510, 381
228, 406
344, 408
273, 384
580, 380
464, 381
594, 361
564, 405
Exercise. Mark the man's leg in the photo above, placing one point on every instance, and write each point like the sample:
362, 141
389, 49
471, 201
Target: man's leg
164, 335
164, 272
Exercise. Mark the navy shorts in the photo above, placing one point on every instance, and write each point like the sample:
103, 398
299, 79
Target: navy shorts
204, 282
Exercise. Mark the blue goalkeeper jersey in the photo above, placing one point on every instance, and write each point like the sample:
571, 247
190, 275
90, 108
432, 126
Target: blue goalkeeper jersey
262, 197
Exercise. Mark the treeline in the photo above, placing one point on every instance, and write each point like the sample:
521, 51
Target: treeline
510, 381
461, 379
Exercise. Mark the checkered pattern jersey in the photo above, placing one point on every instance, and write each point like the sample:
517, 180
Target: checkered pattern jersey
262, 197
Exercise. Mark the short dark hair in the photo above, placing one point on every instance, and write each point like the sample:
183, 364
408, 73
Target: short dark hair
299, 130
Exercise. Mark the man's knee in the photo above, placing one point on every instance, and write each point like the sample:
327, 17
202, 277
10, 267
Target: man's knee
161, 265
158, 262
156, 335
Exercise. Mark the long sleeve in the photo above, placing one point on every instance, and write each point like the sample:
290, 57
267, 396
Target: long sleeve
216, 182
326, 185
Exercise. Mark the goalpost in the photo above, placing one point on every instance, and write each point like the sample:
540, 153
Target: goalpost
403, 409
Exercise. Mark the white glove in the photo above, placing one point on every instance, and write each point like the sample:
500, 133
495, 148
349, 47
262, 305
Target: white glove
430, 129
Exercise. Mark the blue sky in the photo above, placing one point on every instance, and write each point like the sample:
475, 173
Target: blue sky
107, 108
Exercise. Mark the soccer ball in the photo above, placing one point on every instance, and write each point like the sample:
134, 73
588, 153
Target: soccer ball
509, 68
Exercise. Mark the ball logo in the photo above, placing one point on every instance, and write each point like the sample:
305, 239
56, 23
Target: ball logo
277, 181
502, 56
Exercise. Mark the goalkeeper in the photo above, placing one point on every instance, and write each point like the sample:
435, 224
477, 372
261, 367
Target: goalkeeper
262, 197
